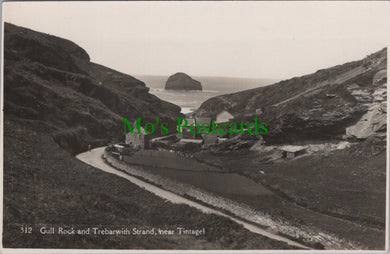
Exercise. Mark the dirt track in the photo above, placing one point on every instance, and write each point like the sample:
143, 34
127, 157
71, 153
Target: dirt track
94, 158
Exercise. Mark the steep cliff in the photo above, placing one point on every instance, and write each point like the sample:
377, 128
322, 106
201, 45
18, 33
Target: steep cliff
52, 80
319, 106
56, 99
181, 81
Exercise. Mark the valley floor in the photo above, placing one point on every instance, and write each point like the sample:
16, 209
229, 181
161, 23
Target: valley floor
342, 192
279, 190
44, 186
95, 158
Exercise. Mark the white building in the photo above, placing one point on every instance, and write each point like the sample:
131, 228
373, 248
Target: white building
224, 117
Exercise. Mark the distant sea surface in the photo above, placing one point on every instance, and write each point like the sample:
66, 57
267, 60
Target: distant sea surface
212, 86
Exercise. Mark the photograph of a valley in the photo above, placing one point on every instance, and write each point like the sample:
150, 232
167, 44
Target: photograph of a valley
195, 126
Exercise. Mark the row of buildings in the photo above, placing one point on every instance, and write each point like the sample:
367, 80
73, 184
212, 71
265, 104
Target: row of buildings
143, 140
222, 117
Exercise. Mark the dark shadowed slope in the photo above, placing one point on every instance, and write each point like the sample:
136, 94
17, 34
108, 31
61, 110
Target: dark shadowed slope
51, 79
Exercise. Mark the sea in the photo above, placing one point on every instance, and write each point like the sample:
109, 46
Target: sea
189, 101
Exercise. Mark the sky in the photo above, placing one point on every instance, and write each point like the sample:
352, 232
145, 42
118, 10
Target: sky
233, 39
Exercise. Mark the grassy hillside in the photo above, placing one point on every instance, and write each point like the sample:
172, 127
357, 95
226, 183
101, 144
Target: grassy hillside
342, 192
52, 79
349, 183
320, 108
300, 108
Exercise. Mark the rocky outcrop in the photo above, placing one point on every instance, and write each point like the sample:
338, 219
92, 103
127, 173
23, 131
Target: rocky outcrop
315, 107
52, 80
374, 122
181, 81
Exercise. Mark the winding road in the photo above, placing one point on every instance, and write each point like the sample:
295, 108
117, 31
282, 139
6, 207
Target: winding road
95, 159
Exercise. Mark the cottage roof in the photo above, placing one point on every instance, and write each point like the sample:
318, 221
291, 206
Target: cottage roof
292, 149
190, 140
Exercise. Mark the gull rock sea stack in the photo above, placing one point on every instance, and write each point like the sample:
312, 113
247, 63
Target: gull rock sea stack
181, 81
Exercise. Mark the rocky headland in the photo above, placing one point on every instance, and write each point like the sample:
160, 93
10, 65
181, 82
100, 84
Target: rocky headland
345, 101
